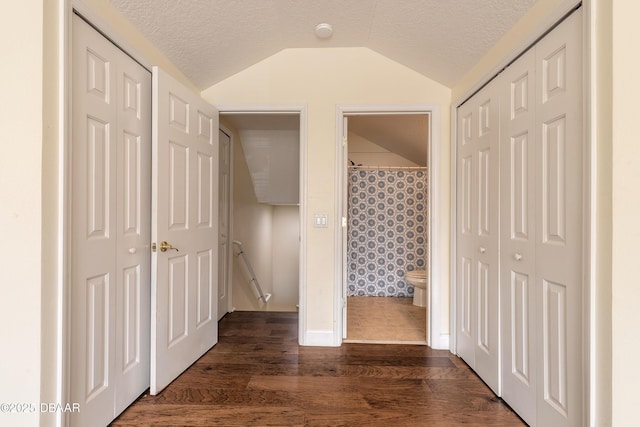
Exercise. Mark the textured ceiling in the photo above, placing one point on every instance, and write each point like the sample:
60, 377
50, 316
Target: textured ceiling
210, 40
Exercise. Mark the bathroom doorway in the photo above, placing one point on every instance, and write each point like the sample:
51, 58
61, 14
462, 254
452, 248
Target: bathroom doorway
386, 206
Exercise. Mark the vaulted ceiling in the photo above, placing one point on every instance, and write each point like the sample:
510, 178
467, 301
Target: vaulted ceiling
210, 40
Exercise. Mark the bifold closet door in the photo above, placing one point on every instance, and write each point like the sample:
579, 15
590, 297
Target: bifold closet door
477, 230
110, 228
541, 246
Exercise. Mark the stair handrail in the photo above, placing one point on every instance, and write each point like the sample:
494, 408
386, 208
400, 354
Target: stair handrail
262, 296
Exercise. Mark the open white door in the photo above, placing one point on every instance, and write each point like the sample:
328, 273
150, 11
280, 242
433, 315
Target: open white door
184, 229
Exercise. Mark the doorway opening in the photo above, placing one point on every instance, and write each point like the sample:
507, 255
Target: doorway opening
387, 203
265, 210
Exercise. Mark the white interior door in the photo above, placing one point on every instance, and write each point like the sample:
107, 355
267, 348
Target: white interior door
477, 229
224, 248
541, 245
487, 272
559, 222
518, 262
185, 229
110, 227
465, 231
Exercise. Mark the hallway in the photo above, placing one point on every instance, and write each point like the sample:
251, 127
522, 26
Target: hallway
258, 375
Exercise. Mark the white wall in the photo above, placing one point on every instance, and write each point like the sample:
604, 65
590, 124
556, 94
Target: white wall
270, 237
321, 79
625, 213
286, 258
251, 226
21, 193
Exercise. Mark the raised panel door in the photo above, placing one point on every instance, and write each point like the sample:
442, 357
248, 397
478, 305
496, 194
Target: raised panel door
477, 225
486, 230
110, 228
184, 216
517, 244
559, 219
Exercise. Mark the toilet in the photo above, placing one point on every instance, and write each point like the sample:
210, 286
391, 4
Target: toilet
418, 278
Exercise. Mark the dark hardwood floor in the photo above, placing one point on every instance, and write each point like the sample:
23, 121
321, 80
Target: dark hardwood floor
257, 375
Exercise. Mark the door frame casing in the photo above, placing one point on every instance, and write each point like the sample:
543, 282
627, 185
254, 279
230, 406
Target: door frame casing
435, 337
301, 110
228, 132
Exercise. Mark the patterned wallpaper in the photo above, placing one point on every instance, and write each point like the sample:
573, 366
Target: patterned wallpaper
387, 231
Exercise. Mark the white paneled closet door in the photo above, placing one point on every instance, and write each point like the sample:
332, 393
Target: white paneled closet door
541, 245
477, 229
110, 228
517, 245
185, 201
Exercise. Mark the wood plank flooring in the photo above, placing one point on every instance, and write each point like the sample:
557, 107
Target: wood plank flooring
257, 375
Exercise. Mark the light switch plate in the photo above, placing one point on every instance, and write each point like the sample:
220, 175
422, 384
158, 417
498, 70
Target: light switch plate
320, 221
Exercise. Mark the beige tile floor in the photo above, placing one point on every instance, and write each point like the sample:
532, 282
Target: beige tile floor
385, 320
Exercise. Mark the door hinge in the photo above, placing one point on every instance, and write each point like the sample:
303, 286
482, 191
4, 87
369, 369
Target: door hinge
344, 222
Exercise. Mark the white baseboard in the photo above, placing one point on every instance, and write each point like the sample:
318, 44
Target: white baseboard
441, 342
319, 339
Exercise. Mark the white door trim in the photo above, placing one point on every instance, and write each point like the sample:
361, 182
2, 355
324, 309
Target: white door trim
301, 110
227, 131
435, 338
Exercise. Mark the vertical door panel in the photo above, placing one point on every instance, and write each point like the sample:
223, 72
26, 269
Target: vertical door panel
205, 181
178, 173
519, 327
132, 348
178, 308
98, 332
204, 288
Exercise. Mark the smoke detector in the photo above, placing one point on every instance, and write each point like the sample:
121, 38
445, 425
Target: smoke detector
324, 30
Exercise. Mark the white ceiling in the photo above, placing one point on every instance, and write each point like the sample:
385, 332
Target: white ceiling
210, 40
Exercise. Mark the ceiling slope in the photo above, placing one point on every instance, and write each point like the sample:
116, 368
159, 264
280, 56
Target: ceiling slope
210, 40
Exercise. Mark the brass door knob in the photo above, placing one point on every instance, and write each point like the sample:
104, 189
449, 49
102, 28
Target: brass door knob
165, 246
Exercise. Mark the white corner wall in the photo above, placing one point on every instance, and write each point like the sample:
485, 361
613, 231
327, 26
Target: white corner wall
625, 288
286, 258
322, 79
21, 193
